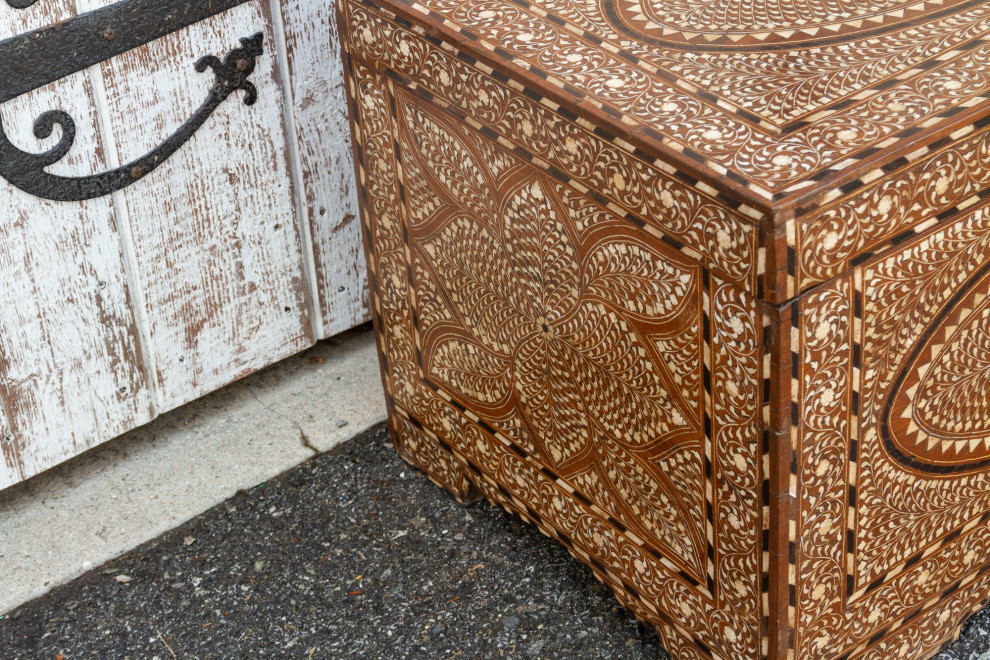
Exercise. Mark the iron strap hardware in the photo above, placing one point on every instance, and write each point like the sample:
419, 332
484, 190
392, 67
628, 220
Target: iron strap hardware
32, 60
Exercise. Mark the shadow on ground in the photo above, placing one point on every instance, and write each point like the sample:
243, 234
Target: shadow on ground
351, 555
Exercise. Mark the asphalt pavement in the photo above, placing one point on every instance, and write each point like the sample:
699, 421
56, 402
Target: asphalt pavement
353, 554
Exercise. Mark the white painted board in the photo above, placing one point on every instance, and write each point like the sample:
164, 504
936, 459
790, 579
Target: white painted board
71, 372
324, 159
217, 256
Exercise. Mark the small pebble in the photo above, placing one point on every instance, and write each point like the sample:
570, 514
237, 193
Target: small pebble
123, 578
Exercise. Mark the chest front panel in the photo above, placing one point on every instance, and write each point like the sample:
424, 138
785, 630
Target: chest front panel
569, 362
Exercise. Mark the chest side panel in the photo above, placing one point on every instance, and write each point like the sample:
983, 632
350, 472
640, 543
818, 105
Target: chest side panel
893, 450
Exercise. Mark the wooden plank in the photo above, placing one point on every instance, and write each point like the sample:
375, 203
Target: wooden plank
323, 148
71, 371
216, 254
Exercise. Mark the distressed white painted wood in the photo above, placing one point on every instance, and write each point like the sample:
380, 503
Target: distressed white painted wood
216, 255
323, 149
17, 21
71, 374
242, 249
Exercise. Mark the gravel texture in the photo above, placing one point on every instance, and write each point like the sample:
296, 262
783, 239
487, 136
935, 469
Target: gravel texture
354, 554
351, 555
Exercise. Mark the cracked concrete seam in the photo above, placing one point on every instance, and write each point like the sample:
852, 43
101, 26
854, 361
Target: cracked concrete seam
306, 443
303, 438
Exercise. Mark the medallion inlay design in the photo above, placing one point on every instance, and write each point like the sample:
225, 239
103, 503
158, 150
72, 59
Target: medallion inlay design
798, 22
552, 354
938, 416
894, 512
588, 225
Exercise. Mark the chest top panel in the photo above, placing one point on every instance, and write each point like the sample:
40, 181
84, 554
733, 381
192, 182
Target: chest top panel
775, 98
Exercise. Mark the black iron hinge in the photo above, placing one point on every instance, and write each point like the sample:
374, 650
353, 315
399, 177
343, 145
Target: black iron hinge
32, 60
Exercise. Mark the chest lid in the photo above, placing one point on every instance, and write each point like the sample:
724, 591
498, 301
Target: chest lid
784, 105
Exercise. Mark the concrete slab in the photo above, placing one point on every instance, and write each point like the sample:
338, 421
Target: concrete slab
105, 502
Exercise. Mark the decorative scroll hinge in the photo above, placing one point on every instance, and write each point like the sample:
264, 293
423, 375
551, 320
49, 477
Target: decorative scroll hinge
32, 60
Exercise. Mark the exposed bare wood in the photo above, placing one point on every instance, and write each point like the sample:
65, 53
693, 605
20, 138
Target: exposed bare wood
17, 21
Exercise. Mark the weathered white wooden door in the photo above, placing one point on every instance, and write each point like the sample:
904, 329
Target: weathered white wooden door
238, 250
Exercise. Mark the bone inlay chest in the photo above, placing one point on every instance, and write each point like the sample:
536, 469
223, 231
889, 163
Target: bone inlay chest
698, 287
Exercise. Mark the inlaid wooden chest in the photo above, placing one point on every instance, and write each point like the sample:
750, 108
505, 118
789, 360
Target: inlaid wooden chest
700, 289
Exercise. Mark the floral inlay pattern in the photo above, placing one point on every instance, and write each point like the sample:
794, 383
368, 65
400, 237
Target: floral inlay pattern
788, 104
889, 524
559, 329
952, 397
